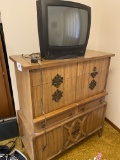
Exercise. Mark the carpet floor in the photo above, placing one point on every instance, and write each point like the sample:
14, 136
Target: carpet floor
108, 145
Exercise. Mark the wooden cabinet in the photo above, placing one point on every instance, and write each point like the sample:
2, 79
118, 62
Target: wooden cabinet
61, 102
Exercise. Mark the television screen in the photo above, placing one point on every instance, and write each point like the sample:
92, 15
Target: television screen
67, 26
63, 28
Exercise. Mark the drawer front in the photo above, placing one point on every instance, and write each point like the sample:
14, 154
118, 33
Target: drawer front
91, 78
64, 85
89, 106
48, 74
92, 65
52, 121
53, 98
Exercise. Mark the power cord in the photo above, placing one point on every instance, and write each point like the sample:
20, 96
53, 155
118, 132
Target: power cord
43, 111
34, 57
6, 149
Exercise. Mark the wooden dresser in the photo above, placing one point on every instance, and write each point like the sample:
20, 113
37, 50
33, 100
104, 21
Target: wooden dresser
61, 101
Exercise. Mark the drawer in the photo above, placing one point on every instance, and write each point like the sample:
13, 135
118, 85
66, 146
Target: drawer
90, 105
92, 65
48, 74
54, 120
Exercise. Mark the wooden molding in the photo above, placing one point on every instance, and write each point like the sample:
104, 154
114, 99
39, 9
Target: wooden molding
113, 125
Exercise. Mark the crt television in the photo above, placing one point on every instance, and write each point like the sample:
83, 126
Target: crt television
63, 28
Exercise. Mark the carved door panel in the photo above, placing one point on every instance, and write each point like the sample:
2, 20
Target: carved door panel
74, 131
83, 126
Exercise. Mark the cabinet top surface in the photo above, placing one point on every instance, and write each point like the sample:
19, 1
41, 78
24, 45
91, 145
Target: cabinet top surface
89, 55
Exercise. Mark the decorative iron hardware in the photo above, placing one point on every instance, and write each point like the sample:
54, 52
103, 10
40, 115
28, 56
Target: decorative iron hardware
94, 69
92, 84
93, 74
57, 95
57, 80
43, 125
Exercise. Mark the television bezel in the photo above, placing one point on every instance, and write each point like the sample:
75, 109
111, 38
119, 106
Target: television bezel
54, 52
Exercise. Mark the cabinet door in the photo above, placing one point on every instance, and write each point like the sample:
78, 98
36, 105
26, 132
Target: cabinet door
81, 127
48, 145
95, 119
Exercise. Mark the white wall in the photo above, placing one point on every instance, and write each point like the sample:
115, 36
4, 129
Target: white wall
109, 41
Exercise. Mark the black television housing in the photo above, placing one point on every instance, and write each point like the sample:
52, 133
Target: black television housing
63, 28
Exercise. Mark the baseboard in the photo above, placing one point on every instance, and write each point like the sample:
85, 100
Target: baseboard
8, 128
113, 125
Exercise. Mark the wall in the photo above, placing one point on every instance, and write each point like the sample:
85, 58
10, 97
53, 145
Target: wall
109, 41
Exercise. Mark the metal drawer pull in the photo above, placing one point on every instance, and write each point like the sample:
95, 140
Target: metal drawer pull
70, 114
43, 125
101, 100
82, 109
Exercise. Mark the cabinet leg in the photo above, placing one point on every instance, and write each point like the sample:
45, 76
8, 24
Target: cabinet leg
21, 143
100, 132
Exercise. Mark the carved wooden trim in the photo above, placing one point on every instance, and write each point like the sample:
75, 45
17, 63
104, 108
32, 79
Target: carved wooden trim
75, 130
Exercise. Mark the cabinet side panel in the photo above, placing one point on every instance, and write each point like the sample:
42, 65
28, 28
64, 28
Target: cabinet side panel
26, 136
24, 94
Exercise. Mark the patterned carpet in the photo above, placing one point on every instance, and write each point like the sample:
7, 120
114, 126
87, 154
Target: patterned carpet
108, 145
